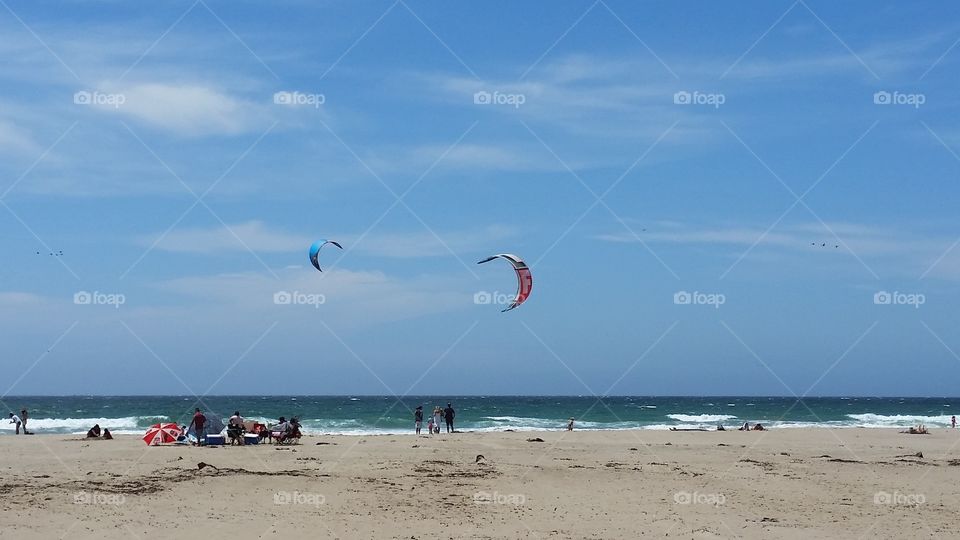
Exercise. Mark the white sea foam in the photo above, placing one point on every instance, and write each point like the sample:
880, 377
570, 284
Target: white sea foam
701, 417
81, 425
898, 420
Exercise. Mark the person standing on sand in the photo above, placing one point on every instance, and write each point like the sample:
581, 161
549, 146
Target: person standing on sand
23, 418
437, 411
449, 414
197, 423
418, 418
953, 422
14, 419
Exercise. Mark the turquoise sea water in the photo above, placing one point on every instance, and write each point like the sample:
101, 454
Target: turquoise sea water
387, 414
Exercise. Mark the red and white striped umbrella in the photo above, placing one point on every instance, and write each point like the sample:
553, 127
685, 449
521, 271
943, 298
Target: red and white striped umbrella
162, 433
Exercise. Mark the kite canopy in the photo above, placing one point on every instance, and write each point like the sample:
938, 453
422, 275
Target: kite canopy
315, 251
524, 277
162, 434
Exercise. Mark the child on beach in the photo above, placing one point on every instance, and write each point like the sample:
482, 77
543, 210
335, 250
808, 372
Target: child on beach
570, 424
437, 413
430, 425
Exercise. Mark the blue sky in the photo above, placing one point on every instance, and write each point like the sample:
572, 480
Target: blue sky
630, 152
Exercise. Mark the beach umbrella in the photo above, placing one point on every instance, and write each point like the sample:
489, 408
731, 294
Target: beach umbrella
162, 433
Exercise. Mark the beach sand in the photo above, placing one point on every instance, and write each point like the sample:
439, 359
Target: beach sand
789, 483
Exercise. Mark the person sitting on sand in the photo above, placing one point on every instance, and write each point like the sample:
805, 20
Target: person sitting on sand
720, 427
106, 434
745, 427
919, 430
570, 424
94, 432
758, 427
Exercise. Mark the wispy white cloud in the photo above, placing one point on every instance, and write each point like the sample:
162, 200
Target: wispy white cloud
353, 298
188, 109
254, 235
17, 142
905, 254
888, 58
260, 237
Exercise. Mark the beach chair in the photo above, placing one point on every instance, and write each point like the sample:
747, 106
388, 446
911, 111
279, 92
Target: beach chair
291, 435
235, 434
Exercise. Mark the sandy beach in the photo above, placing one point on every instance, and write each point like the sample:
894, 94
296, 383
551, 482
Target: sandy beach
790, 483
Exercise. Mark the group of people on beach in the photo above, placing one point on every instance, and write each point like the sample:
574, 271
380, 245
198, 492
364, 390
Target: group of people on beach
20, 422
95, 433
433, 424
237, 428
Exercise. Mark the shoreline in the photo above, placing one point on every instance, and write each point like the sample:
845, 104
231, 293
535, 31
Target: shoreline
642, 429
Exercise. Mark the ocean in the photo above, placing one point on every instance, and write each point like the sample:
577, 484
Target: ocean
389, 415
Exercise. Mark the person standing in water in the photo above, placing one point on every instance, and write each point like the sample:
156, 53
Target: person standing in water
418, 418
23, 418
953, 421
